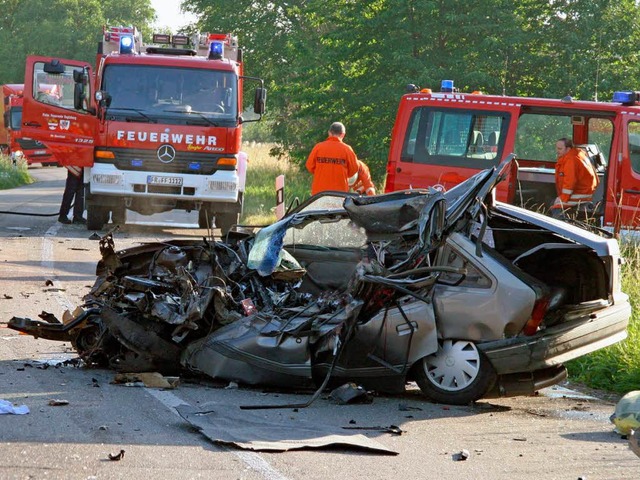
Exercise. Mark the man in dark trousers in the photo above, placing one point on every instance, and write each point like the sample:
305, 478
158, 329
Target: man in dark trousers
73, 192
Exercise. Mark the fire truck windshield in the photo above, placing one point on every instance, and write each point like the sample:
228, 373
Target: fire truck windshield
173, 93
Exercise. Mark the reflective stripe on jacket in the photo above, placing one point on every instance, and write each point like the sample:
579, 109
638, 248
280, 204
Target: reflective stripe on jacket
77, 171
331, 163
576, 179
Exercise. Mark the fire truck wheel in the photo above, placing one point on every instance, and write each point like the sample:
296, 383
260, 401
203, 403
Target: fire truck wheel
119, 215
96, 217
224, 221
205, 218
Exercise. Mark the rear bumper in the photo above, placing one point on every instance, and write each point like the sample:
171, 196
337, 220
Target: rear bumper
556, 345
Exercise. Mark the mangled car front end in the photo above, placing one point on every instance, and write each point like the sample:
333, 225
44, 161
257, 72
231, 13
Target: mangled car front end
468, 297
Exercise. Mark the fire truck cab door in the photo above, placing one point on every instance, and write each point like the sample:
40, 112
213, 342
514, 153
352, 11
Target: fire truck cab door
624, 208
48, 110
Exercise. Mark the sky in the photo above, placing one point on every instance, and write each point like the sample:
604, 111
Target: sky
168, 12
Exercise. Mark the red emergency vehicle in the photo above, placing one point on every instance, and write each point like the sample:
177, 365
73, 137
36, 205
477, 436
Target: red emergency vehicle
156, 127
442, 138
12, 139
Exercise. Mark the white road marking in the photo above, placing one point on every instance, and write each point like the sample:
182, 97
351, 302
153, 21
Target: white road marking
47, 262
168, 399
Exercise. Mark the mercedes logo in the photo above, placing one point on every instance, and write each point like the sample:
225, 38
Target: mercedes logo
166, 153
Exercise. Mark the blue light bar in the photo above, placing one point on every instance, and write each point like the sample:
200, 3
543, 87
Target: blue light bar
216, 49
446, 86
136, 162
194, 166
126, 43
626, 97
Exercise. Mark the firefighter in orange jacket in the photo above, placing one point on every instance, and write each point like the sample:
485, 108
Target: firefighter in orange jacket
332, 162
362, 183
576, 178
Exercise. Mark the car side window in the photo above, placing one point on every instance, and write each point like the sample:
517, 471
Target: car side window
634, 145
474, 278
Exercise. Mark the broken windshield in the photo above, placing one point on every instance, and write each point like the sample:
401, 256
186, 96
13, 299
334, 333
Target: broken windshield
179, 94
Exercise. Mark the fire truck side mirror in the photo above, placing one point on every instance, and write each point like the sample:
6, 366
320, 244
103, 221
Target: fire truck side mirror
260, 101
54, 67
78, 96
7, 120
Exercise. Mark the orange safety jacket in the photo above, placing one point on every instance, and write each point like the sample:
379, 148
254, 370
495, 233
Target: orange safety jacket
331, 163
363, 184
576, 179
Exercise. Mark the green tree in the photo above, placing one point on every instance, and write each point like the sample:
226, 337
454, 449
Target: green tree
351, 60
64, 28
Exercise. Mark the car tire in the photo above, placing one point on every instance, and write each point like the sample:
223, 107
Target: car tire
457, 374
96, 217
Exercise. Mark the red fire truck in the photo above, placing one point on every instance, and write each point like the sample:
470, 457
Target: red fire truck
442, 138
12, 139
156, 127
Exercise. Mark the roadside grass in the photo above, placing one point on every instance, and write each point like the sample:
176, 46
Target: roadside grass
260, 190
617, 368
13, 176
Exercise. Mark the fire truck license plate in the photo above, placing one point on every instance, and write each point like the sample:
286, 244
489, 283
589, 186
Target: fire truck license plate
159, 180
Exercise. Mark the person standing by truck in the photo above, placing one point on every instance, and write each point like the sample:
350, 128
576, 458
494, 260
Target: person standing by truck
332, 163
576, 179
73, 192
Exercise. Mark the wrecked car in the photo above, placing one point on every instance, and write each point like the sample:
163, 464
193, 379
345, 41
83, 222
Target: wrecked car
462, 294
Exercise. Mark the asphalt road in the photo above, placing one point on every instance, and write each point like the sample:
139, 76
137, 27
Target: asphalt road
45, 266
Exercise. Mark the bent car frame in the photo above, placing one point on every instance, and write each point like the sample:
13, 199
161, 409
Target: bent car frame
464, 295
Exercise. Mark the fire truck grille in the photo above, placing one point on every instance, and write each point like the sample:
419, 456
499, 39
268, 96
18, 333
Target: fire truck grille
29, 144
147, 160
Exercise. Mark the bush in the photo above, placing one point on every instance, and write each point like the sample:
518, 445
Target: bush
13, 175
260, 191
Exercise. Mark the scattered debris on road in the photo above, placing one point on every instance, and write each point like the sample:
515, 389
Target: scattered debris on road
392, 429
117, 457
8, 408
146, 379
461, 456
350, 393
228, 425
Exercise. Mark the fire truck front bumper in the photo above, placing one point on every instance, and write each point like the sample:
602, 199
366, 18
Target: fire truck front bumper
221, 186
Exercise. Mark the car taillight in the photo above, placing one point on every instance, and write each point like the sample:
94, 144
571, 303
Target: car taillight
537, 315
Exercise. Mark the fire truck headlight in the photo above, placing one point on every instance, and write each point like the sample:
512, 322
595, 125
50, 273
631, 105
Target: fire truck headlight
223, 186
106, 179
126, 44
216, 49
